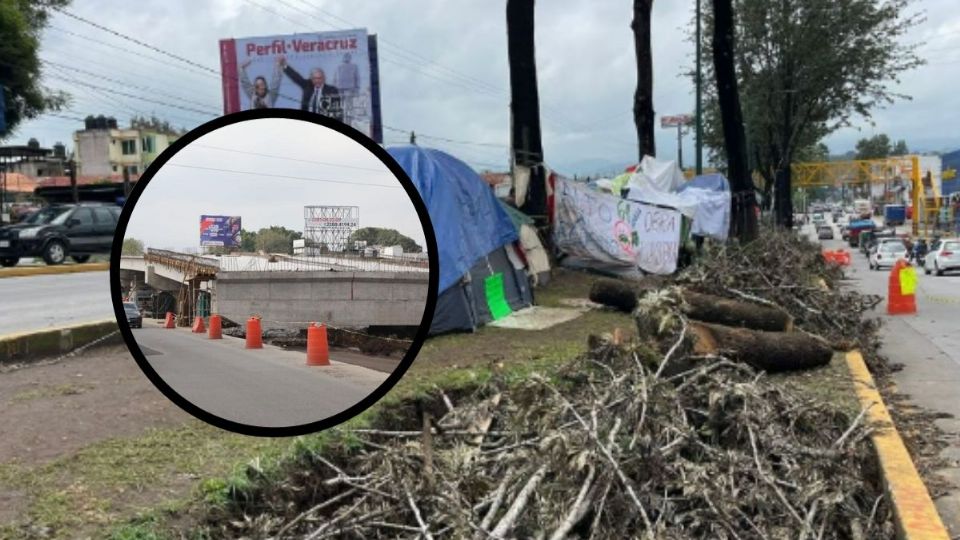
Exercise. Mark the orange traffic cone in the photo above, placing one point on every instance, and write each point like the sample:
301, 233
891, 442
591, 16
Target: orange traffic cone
901, 298
318, 354
198, 327
169, 322
254, 334
215, 325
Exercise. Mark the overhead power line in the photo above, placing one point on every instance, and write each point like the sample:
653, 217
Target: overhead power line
141, 98
383, 170
398, 186
134, 40
128, 84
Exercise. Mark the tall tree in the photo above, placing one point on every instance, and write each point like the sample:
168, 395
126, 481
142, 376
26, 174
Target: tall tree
643, 97
900, 149
875, 147
21, 24
131, 246
743, 217
525, 109
798, 84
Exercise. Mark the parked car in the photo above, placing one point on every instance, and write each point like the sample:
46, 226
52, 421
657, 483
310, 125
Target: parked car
943, 255
59, 231
825, 232
134, 315
886, 252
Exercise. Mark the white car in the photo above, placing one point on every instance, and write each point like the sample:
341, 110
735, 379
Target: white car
886, 253
943, 255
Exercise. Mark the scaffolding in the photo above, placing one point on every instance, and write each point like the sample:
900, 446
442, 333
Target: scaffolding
892, 175
328, 228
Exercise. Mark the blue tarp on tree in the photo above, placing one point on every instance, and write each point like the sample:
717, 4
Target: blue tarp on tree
475, 238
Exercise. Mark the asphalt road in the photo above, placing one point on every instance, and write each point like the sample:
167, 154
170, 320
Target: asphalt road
928, 345
269, 387
38, 302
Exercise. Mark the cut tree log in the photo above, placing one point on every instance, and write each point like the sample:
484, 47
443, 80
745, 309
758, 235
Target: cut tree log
614, 293
717, 309
699, 306
769, 351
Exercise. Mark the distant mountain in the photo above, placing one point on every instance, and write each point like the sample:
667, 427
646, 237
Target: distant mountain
591, 166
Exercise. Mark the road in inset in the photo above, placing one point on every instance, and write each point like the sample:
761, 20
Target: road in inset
39, 302
268, 387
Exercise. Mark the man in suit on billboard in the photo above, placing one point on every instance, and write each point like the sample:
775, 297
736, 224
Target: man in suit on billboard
318, 97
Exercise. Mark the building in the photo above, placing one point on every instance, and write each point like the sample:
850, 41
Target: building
33, 161
104, 149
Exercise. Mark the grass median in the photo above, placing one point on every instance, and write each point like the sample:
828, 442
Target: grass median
161, 482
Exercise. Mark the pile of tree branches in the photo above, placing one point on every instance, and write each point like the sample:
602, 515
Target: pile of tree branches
780, 270
609, 447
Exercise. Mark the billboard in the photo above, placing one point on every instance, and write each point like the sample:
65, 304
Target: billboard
331, 73
333, 222
220, 231
676, 120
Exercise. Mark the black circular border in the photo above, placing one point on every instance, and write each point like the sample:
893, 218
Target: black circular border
428, 311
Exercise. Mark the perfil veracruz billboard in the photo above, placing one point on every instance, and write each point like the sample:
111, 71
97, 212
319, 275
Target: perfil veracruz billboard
220, 231
331, 73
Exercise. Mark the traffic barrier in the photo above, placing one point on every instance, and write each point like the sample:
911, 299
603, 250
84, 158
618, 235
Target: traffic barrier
318, 353
198, 327
169, 322
215, 327
254, 334
901, 289
840, 257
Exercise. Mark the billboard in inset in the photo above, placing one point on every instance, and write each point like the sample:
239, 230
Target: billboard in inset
333, 73
220, 231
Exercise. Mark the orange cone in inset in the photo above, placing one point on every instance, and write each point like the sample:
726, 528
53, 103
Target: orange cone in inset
215, 325
198, 327
318, 354
254, 334
169, 322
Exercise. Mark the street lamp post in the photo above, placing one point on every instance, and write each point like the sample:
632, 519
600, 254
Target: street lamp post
699, 108
679, 121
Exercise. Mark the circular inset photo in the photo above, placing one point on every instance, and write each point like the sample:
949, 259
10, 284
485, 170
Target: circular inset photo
274, 272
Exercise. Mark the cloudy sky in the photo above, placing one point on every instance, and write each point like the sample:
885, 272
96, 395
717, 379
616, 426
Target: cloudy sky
332, 170
444, 71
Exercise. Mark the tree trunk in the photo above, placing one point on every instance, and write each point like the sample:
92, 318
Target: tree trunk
783, 196
525, 103
743, 219
769, 351
643, 98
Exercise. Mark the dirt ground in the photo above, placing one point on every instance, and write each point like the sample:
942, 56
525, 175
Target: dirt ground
56, 409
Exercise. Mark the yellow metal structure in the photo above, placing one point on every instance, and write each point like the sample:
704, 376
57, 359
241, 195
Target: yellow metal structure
865, 172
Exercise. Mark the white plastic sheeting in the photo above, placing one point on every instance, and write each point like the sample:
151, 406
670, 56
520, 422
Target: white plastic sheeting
659, 175
709, 210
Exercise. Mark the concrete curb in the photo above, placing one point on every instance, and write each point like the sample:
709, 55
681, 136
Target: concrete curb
913, 509
37, 345
58, 269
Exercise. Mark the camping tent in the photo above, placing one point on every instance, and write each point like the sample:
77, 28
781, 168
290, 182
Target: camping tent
538, 264
482, 276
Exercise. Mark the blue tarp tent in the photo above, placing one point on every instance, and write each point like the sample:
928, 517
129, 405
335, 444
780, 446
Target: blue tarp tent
475, 239
709, 182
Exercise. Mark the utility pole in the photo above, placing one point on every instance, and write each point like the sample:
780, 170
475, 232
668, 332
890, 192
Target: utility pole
699, 113
680, 146
413, 138
126, 181
73, 181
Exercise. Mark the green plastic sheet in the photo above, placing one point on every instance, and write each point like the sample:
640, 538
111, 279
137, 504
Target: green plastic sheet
496, 301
